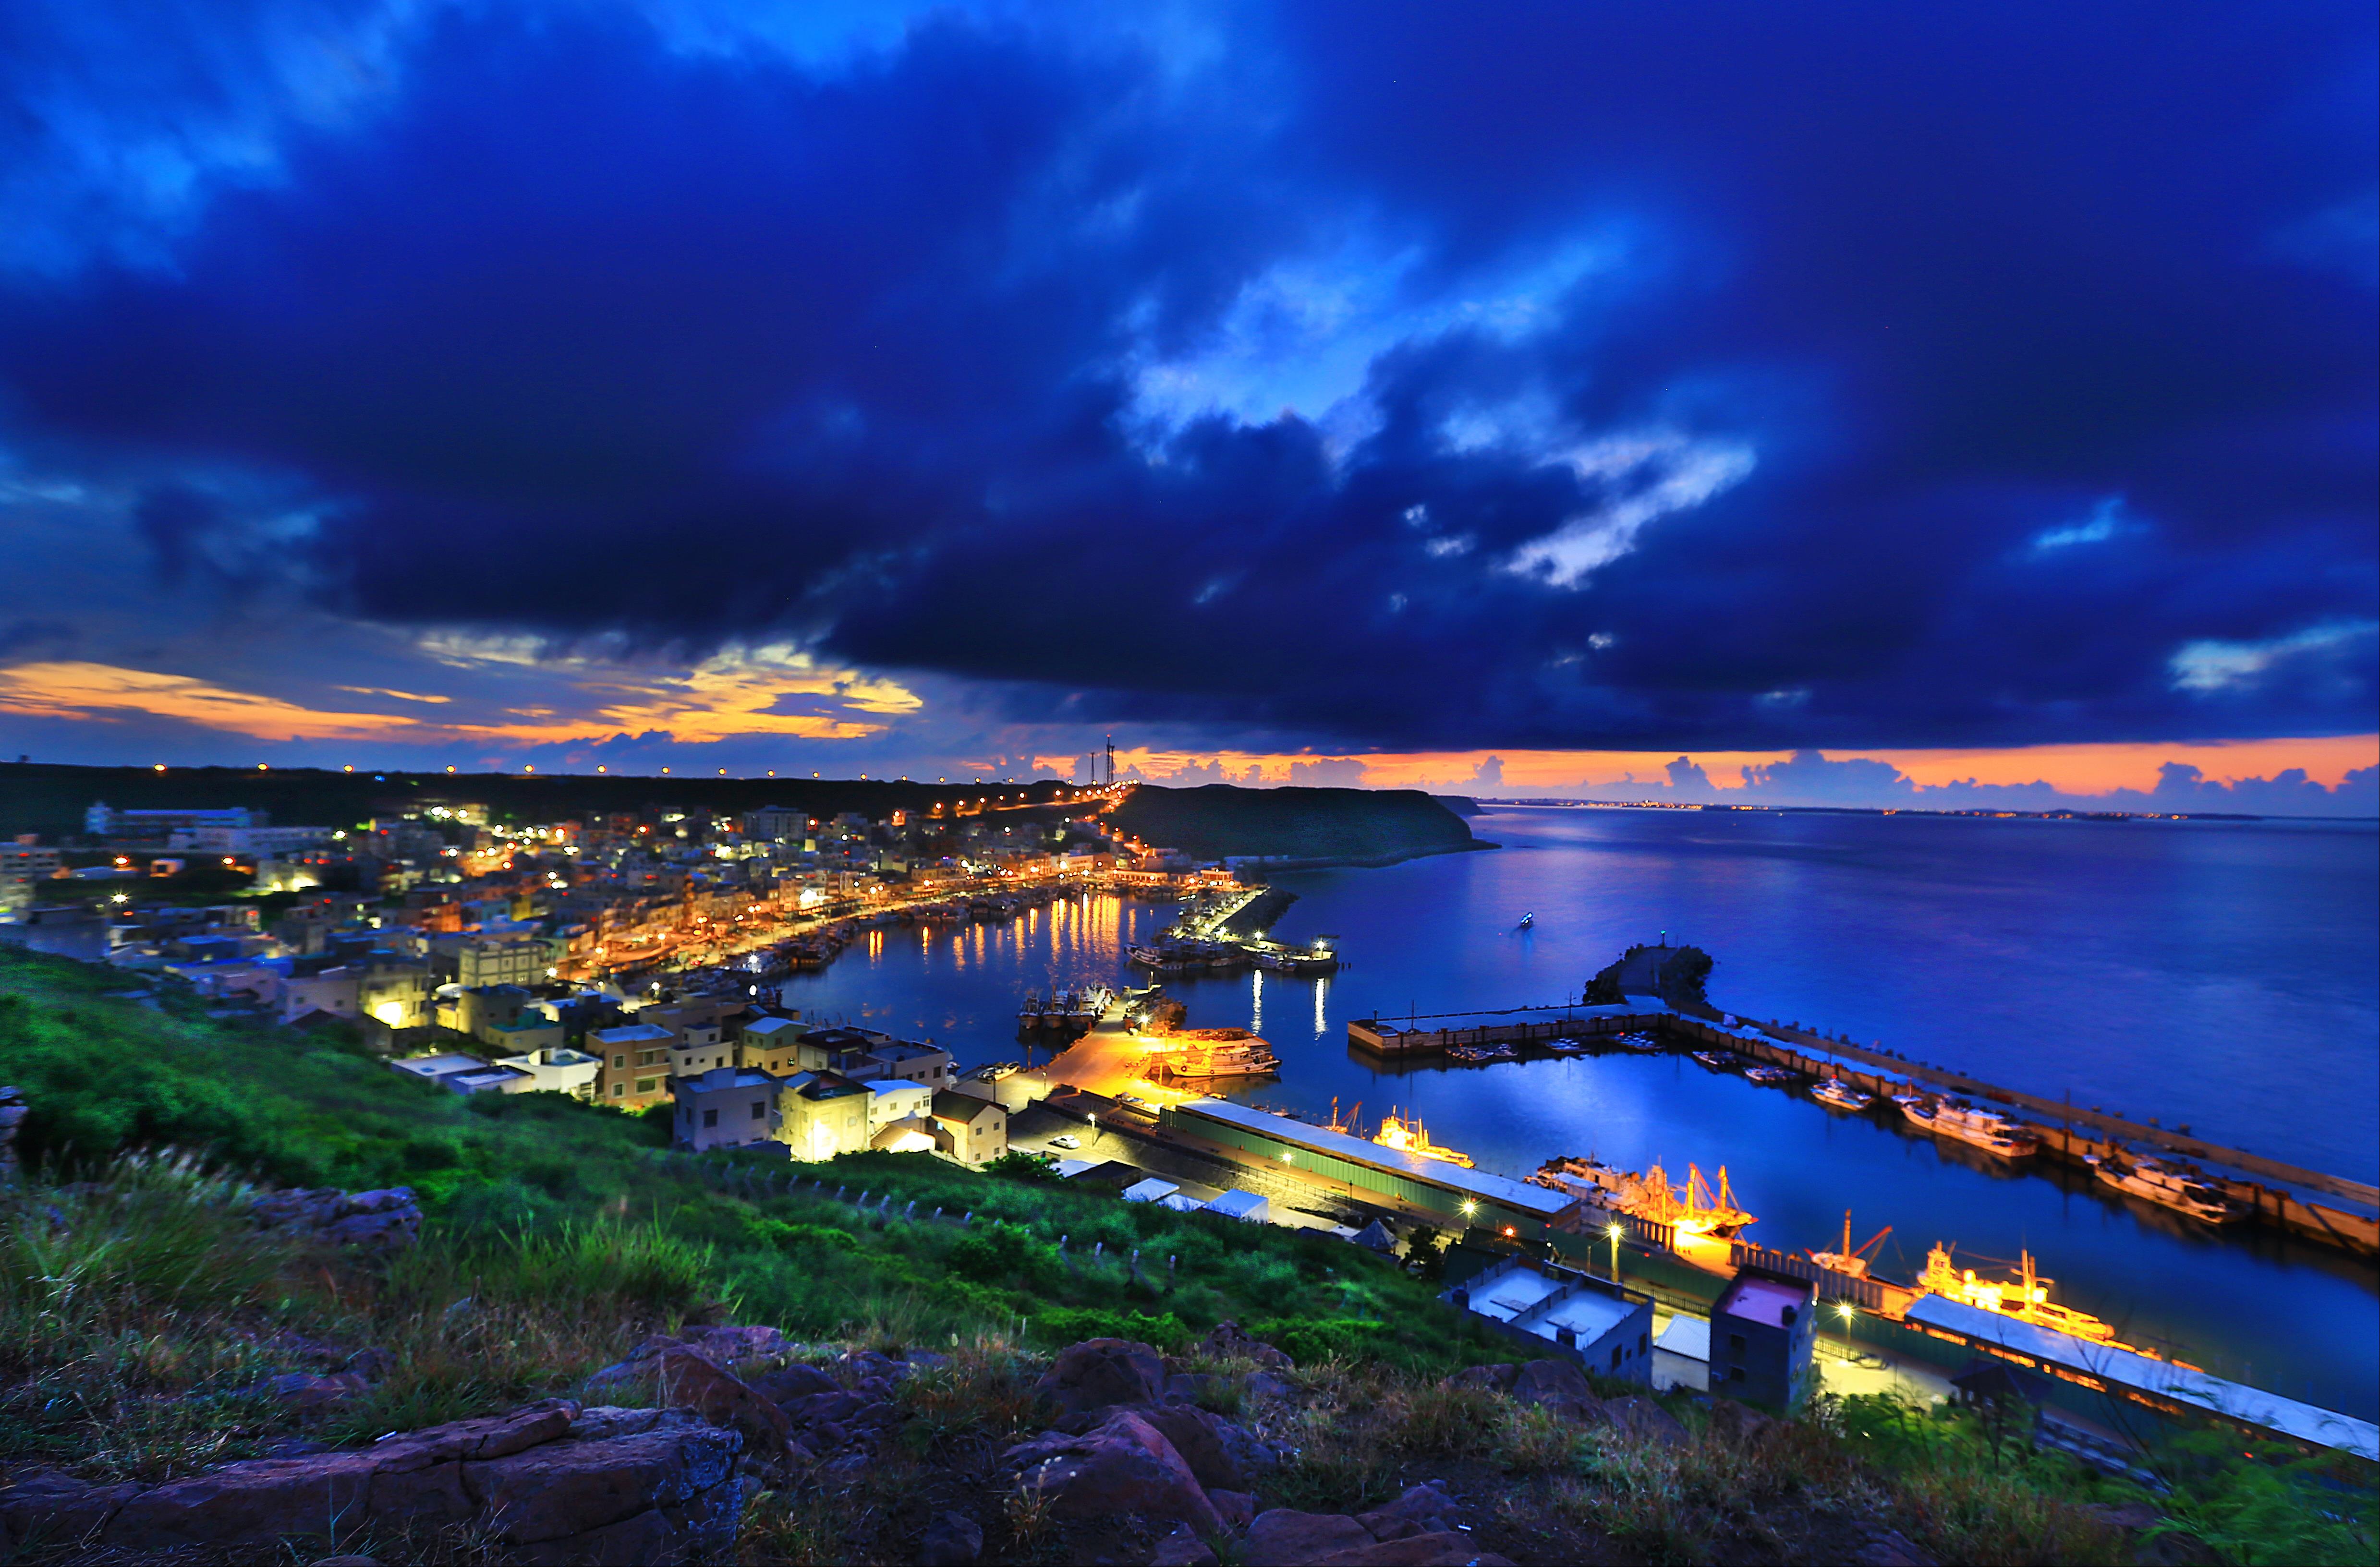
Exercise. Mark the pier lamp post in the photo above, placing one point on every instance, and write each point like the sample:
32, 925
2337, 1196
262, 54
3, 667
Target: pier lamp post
1613, 1233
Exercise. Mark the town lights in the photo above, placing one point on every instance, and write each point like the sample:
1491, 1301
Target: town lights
1843, 1310
1469, 1207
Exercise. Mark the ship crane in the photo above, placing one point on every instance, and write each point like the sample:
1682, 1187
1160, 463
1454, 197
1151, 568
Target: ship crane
1848, 1260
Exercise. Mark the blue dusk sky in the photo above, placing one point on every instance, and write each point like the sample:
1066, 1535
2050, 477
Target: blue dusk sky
1846, 403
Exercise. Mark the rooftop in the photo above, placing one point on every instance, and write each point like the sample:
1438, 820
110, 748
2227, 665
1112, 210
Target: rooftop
1535, 1201
1765, 1301
2161, 1378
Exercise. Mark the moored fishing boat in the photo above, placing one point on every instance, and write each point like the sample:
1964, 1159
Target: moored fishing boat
2179, 1187
1987, 1130
1841, 1095
1775, 1077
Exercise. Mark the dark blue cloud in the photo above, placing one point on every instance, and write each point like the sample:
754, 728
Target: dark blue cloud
1562, 376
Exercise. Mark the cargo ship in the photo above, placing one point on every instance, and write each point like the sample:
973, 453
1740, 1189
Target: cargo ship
1987, 1130
2181, 1188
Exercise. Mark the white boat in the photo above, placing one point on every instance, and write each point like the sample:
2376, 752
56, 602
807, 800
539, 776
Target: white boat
2177, 1186
1842, 1095
1971, 1124
1775, 1077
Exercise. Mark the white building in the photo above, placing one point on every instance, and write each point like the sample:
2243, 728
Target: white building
556, 1070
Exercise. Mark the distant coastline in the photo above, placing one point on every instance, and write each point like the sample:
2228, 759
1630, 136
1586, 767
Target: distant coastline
2061, 815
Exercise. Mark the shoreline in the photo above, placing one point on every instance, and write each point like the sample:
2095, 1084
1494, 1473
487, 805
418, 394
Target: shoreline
1261, 864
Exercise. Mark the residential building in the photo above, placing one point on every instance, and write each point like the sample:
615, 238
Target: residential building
725, 1108
820, 1114
338, 992
900, 1115
1606, 1328
977, 1127
555, 1069
464, 1074
1764, 1329
521, 960
529, 1032
394, 992
27, 857
772, 1044
635, 1063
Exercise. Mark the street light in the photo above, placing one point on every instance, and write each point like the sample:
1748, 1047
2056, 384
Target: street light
1613, 1233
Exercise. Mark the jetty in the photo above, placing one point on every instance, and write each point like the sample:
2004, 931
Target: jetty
2067, 1133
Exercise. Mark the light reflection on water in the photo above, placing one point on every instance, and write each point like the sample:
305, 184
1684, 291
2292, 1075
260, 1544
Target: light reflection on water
2216, 974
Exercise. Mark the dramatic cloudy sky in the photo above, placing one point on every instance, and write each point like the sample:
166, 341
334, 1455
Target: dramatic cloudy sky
1514, 396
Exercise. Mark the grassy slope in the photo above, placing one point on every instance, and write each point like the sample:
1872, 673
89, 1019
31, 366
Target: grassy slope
1354, 824
295, 1109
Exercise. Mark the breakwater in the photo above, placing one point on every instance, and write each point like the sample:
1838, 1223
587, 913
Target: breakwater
2069, 1134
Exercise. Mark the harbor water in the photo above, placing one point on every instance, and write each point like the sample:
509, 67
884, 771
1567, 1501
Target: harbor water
2224, 976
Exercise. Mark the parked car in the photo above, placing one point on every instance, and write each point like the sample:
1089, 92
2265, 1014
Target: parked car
1065, 1140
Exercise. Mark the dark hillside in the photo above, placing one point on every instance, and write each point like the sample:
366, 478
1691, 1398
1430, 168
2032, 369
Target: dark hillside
1349, 823
48, 799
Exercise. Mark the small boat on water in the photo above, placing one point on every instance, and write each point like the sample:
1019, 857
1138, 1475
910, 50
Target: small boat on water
1719, 1060
1842, 1095
2181, 1188
1528, 922
1775, 1077
1643, 1043
1987, 1130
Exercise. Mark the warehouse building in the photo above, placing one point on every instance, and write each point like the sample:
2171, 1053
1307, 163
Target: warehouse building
1449, 1193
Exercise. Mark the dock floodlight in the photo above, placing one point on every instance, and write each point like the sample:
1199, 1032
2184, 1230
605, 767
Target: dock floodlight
1469, 1207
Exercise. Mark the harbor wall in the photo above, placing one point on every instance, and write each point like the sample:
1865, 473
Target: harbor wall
1384, 1036
2061, 1140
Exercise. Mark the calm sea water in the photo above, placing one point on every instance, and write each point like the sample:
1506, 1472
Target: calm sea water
2226, 976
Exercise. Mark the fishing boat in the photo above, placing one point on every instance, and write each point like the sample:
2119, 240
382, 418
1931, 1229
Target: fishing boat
1719, 1060
2024, 1297
1987, 1130
1775, 1077
1407, 1137
1528, 922
1694, 1208
1850, 1260
1565, 1046
1841, 1095
1640, 1041
2181, 1188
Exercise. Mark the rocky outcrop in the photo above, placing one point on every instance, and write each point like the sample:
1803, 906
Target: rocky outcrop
1121, 1466
550, 1484
1100, 1373
386, 1220
1421, 1529
1559, 1387
1229, 1341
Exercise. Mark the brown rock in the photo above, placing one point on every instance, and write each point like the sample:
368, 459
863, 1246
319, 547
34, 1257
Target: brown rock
700, 1528
1552, 1382
683, 1379
1125, 1467
1890, 1549
54, 1508
301, 1392
430, 1496
732, 1347
1229, 1341
952, 1539
1416, 1551
1098, 1373
1495, 1379
1204, 1441
1645, 1421
789, 1383
1424, 1509
1285, 1538
1238, 1509
571, 1487
1182, 1549
251, 1504
487, 1436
